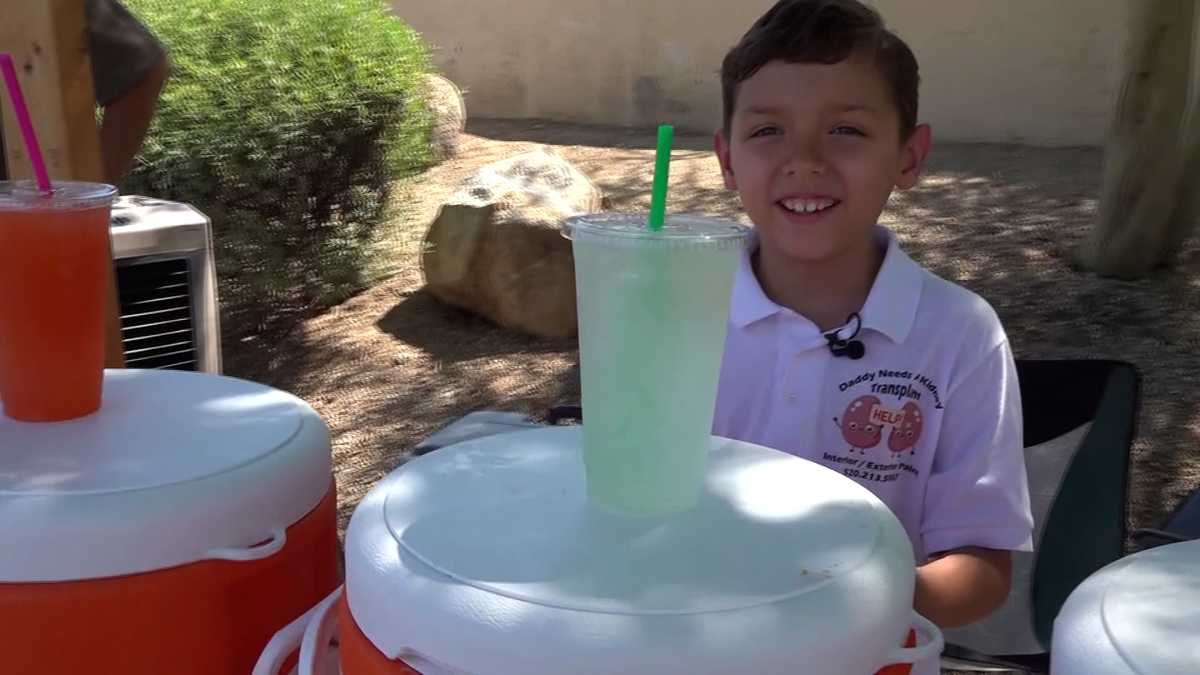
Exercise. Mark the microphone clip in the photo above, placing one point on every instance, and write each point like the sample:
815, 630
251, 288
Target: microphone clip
848, 347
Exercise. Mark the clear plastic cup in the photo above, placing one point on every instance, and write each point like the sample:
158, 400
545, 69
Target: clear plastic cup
653, 312
55, 256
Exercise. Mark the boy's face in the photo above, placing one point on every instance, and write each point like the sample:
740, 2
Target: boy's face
815, 151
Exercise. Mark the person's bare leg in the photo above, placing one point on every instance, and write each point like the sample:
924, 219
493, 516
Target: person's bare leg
125, 121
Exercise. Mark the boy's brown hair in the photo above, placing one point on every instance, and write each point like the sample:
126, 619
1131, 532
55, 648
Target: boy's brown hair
827, 32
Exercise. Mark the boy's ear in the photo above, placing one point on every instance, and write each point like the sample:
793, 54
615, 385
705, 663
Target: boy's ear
721, 146
916, 149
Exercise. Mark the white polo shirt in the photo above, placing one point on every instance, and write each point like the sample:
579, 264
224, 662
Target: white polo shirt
929, 419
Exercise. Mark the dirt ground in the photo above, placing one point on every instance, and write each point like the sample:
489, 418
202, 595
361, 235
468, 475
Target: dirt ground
392, 365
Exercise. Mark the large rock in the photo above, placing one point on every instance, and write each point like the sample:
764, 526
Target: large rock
496, 248
449, 112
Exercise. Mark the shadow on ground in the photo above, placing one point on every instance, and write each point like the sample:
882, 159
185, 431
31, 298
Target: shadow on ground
459, 340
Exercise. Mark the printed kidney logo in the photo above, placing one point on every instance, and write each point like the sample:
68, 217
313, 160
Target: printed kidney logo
907, 432
866, 417
858, 429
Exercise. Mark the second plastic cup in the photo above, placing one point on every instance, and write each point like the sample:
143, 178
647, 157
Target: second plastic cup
54, 258
653, 307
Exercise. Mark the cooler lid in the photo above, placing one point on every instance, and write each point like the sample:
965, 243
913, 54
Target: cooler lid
1151, 610
509, 515
175, 467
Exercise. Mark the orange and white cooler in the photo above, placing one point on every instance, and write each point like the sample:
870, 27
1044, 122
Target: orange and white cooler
487, 558
173, 532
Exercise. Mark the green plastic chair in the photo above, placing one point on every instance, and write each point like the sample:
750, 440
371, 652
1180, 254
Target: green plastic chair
1085, 523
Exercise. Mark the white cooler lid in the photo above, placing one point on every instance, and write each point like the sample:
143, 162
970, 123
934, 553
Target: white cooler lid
505, 525
1151, 610
176, 467
510, 515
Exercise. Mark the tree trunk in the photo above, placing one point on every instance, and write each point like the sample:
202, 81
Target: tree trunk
1152, 168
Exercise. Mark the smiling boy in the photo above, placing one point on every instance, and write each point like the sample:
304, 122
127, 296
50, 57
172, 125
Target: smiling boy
820, 126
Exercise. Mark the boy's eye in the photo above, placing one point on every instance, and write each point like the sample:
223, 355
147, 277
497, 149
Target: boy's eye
846, 130
766, 131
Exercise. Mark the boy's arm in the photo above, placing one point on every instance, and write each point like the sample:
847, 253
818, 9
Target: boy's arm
963, 586
977, 506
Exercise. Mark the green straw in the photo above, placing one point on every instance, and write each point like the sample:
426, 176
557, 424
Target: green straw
662, 168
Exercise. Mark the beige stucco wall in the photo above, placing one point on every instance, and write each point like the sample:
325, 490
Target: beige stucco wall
1024, 71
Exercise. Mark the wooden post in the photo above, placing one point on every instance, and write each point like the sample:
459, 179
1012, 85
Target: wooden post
48, 41
1148, 205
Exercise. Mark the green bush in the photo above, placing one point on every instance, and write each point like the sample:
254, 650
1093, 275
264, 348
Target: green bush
286, 122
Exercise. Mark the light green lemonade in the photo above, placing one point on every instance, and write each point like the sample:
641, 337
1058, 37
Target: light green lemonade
652, 322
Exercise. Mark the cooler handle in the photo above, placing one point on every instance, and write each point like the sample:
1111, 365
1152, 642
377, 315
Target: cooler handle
318, 635
257, 552
928, 633
285, 642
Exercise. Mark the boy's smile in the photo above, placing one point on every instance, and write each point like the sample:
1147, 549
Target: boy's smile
815, 150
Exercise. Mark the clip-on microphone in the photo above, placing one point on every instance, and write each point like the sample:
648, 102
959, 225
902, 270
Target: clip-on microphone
850, 348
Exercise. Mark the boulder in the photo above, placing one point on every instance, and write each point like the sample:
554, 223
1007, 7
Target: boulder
496, 247
449, 112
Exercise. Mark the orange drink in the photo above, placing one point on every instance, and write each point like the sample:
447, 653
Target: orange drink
54, 255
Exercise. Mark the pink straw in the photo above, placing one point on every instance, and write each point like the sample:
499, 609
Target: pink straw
26, 124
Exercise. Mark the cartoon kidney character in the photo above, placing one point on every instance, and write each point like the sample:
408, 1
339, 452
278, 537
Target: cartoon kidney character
857, 428
905, 435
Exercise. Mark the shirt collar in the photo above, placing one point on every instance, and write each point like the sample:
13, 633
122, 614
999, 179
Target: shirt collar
891, 306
